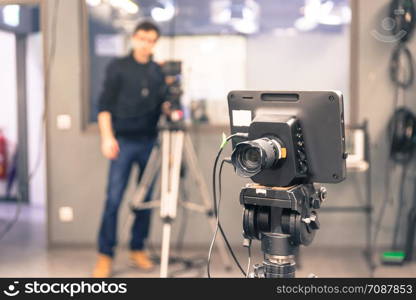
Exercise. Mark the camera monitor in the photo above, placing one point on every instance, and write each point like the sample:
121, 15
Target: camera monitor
294, 137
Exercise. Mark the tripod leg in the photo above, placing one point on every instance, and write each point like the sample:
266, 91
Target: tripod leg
164, 258
172, 148
171, 167
166, 145
149, 175
156, 189
193, 163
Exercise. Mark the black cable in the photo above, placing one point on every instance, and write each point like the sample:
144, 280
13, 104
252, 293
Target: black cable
389, 169
402, 128
10, 224
401, 136
401, 51
378, 220
219, 223
401, 132
215, 202
211, 246
229, 246
400, 207
249, 258
216, 209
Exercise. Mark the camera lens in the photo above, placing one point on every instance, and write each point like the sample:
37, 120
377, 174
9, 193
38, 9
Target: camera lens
250, 158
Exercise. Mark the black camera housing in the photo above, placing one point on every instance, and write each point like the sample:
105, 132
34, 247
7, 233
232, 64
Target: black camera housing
310, 126
173, 69
288, 131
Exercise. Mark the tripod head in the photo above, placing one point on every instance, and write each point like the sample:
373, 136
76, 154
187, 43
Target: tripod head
169, 124
295, 139
282, 219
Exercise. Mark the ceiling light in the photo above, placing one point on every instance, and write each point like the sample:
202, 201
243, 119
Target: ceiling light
126, 5
11, 15
163, 12
93, 2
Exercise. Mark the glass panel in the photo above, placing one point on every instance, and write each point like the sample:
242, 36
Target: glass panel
229, 44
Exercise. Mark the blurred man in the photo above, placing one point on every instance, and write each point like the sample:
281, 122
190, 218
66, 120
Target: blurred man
129, 108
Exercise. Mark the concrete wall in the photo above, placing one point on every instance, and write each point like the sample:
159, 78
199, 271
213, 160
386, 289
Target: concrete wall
77, 171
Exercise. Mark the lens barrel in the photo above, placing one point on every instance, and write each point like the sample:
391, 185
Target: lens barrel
251, 157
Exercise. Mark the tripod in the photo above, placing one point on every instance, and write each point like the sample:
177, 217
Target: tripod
173, 143
282, 218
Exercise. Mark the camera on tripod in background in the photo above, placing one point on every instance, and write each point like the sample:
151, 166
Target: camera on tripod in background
294, 140
173, 76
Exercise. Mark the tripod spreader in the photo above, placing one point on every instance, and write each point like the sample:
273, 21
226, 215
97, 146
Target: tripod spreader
282, 219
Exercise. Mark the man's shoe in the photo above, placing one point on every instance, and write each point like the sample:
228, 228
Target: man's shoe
141, 260
103, 267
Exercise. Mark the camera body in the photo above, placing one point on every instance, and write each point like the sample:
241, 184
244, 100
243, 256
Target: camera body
284, 136
173, 72
293, 137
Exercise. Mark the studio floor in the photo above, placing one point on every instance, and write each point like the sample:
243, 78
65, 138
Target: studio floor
24, 254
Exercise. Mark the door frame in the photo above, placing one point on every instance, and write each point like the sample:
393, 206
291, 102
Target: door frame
22, 114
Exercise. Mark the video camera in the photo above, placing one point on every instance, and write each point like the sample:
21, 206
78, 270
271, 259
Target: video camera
173, 73
293, 140
293, 137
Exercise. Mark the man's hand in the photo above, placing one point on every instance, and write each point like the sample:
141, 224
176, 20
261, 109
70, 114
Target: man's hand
110, 148
109, 144
166, 108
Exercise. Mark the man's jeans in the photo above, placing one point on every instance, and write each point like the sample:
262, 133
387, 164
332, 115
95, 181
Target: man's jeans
131, 152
